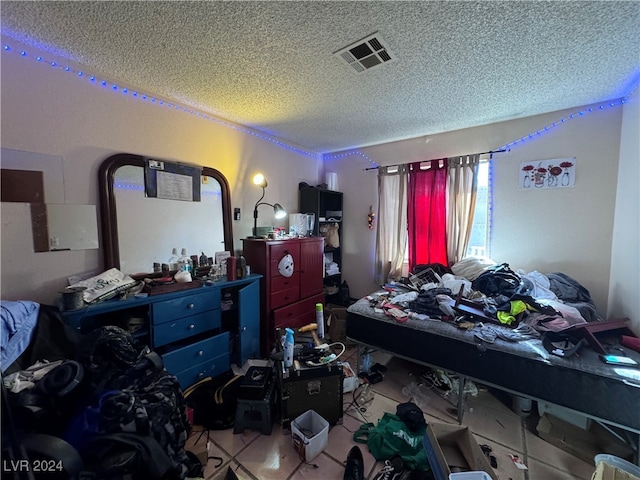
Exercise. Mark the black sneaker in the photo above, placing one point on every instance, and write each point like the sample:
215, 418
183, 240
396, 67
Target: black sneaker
393, 469
354, 469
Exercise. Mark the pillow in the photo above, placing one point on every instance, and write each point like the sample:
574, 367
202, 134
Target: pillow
472, 267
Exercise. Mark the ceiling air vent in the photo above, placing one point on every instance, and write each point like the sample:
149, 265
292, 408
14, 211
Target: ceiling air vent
368, 53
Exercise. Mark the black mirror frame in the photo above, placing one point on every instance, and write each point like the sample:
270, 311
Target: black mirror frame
109, 212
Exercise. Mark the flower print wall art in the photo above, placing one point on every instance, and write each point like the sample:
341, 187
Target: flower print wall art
555, 173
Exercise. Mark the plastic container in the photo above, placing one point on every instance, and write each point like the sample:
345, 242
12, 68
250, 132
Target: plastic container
184, 263
351, 380
522, 406
618, 463
469, 476
418, 394
309, 434
320, 319
288, 348
241, 267
173, 260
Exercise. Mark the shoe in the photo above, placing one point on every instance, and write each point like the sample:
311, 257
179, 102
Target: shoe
416, 475
354, 469
393, 469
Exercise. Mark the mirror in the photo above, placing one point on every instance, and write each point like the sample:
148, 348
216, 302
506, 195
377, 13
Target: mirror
139, 231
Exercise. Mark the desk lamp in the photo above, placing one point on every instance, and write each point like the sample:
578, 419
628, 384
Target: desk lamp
278, 211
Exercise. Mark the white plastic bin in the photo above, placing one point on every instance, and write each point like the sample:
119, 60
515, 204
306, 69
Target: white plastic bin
618, 463
469, 476
310, 434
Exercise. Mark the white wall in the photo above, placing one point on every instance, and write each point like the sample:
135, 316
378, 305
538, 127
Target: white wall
624, 300
49, 111
567, 230
45, 110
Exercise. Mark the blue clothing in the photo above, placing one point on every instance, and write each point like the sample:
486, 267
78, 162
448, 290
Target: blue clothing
17, 323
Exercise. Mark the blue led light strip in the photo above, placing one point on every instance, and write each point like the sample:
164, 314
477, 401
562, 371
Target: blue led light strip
562, 121
519, 141
128, 186
348, 154
144, 97
137, 95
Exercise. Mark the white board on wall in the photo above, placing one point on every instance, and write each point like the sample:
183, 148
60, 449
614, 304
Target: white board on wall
72, 227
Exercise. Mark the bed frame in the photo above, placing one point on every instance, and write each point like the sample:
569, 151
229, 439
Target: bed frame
582, 383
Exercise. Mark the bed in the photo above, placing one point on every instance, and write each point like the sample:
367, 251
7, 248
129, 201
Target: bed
582, 383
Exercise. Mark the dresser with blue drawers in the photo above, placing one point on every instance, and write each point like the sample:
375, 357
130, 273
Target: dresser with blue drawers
198, 332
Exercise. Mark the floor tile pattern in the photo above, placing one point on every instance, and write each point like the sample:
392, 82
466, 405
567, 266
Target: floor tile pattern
253, 456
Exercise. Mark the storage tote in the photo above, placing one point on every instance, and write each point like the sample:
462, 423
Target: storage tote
310, 434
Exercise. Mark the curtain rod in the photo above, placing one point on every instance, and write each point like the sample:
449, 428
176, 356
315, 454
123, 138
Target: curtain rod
482, 153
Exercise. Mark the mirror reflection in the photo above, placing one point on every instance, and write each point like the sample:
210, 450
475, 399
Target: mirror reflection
150, 228
140, 231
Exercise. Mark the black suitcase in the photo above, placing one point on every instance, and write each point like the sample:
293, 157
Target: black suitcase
311, 388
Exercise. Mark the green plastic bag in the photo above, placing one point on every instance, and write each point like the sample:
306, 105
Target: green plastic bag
390, 437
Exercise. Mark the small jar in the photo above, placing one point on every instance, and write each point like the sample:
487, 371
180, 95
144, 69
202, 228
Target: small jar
241, 267
232, 272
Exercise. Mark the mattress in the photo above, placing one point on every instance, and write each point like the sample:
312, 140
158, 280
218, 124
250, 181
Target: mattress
581, 382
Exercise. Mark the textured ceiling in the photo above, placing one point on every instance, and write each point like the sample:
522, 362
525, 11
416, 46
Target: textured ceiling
270, 65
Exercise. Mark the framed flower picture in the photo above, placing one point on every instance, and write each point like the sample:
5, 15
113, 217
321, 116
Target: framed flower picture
555, 173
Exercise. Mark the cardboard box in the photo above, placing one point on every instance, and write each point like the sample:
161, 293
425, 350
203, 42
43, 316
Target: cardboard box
565, 414
581, 443
604, 471
453, 447
337, 323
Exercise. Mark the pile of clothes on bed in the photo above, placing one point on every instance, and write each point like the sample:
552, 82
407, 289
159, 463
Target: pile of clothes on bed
527, 302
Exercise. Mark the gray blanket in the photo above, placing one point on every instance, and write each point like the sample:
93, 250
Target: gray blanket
573, 293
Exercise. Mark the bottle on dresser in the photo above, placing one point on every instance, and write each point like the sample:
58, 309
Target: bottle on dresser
185, 264
173, 260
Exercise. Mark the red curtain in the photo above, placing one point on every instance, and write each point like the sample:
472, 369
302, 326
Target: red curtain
427, 213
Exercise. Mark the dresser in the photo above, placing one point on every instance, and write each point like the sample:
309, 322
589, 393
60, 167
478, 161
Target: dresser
287, 301
198, 332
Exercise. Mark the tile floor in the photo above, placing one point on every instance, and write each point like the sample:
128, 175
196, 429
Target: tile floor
254, 456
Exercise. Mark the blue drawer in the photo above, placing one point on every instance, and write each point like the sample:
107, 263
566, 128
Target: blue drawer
198, 352
168, 310
169, 332
210, 368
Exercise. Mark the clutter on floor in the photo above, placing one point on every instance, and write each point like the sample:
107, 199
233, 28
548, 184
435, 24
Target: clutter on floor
452, 449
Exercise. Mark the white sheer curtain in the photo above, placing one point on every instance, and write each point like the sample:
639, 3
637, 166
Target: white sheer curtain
391, 234
461, 190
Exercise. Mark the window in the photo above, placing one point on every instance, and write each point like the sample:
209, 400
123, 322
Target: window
479, 241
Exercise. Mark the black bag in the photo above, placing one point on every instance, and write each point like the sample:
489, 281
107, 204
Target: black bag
214, 401
498, 280
343, 294
412, 416
131, 392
